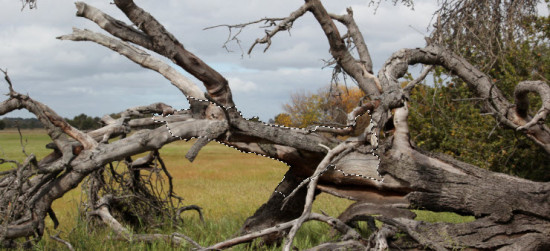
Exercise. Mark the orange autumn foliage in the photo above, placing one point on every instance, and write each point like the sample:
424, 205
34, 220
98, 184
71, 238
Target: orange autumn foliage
328, 106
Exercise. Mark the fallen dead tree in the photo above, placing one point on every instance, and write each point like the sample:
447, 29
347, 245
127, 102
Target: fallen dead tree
385, 174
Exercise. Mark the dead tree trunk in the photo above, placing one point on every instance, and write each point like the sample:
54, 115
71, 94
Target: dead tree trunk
387, 175
273, 213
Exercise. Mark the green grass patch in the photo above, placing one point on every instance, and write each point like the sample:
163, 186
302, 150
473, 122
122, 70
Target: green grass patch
227, 184
429, 216
11, 145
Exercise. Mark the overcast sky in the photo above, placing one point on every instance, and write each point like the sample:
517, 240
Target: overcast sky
81, 77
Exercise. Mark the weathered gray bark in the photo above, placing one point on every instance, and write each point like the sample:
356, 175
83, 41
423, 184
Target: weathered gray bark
386, 176
272, 213
510, 212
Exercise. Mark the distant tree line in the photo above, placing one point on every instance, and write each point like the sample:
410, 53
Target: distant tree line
85, 122
82, 122
23, 123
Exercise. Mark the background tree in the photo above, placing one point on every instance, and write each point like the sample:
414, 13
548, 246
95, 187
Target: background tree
24, 123
512, 45
283, 119
329, 106
84, 122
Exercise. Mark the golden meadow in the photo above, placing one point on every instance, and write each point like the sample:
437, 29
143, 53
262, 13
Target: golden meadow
227, 184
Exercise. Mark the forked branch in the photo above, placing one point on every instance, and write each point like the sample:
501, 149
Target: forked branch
55, 124
480, 84
522, 101
335, 223
339, 51
312, 185
137, 55
284, 25
102, 211
358, 39
166, 44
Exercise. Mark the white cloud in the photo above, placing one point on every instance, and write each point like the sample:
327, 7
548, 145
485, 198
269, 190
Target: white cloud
239, 85
76, 77
274, 87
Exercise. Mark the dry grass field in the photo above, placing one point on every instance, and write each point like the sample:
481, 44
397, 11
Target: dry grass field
227, 184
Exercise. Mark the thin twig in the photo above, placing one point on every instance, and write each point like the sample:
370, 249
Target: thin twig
269, 22
8, 80
187, 238
64, 242
335, 223
311, 190
21, 140
420, 78
190, 207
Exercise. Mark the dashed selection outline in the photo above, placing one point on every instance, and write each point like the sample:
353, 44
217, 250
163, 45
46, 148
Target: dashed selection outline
330, 167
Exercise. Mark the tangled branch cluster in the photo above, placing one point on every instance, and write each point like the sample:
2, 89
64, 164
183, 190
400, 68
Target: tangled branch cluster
141, 192
485, 28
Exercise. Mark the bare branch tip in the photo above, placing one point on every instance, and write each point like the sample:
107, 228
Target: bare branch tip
326, 147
